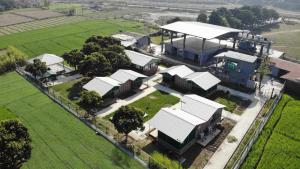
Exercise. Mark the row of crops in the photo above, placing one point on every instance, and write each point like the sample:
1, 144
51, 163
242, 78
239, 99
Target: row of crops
39, 24
279, 143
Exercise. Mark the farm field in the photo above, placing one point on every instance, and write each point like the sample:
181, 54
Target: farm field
152, 103
59, 140
286, 38
64, 38
279, 143
5, 114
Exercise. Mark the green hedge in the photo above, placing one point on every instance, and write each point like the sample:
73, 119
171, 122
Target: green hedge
257, 149
10, 58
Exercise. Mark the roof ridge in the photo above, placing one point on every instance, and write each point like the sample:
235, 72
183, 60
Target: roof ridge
202, 102
182, 118
106, 81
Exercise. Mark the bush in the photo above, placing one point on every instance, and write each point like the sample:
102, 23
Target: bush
165, 161
8, 61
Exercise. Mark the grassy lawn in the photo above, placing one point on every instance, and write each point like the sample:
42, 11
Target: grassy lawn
278, 145
152, 103
234, 104
5, 114
286, 38
59, 140
60, 39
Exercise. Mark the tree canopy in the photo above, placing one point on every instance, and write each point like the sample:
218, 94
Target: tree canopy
173, 20
15, 146
95, 64
90, 100
127, 119
244, 17
99, 56
37, 68
202, 17
74, 57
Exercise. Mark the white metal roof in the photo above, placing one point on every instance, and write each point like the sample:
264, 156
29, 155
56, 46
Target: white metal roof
139, 58
175, 123
123, 75
49, 59
126, 40
180, 70
198, 29
101, 85
205, 80
199, 106
238, 56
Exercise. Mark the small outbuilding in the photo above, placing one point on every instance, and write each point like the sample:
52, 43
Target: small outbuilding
182, 77
145, 64
133, 40
180, 128
119, 83
55, 65
106, 87
129, 80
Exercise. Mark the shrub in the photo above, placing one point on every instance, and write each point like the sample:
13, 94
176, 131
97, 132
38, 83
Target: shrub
165, 161
9, 60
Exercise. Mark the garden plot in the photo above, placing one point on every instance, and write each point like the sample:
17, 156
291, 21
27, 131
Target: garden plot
39, 14
11, 19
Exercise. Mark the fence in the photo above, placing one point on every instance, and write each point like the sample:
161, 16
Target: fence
105, 129
237, 164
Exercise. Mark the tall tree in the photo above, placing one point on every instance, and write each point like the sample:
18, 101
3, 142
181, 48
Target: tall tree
216, 19
90, 100
127, 119
37, 68
202, 17
262, 71
74, 58
117, 57
15, 148
176, 19
95, 65
90, 47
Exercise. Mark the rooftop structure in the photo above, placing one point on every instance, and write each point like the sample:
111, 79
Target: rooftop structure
180, 70
204, 80
193, 103
238, 56
102, 85
49, 59
132, 39
123, 75
201, 30
139, 58
179, 128
292, 69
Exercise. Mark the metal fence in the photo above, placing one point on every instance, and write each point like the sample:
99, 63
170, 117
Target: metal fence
105, 130
237, 164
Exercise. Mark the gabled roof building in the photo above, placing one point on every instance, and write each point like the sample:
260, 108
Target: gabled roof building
184, 78
178, 129
119, 83
143, 63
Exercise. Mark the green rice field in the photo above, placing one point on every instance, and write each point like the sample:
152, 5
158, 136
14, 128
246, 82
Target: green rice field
63, 38
5, 114
59, 140
279, 143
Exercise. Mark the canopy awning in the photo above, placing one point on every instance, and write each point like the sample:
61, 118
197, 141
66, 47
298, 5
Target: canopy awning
201, 30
